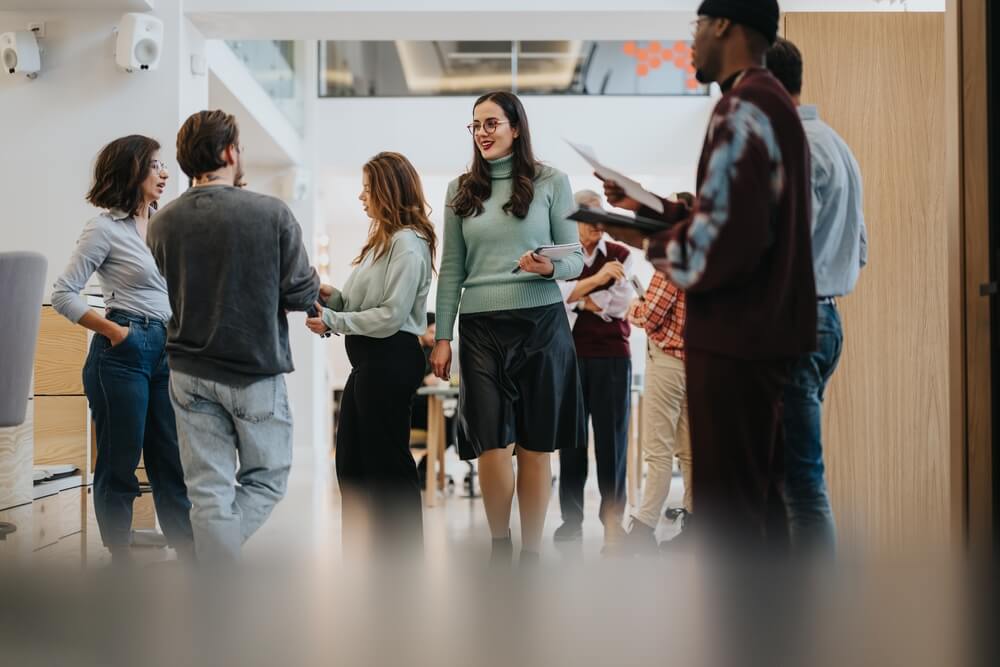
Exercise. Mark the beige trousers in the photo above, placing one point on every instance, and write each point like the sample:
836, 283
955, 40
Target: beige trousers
664, 433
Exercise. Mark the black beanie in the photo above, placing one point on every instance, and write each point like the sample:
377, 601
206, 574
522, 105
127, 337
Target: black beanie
761, 15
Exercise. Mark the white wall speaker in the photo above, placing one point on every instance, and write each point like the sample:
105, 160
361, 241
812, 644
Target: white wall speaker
20, 54
139, 42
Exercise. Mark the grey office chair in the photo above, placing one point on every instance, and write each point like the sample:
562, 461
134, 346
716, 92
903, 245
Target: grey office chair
22, 287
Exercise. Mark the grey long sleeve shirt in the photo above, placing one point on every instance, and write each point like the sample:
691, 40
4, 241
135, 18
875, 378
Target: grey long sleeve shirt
234, 263
110, 246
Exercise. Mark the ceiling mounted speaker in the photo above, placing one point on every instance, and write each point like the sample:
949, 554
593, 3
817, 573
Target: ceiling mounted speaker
139, 43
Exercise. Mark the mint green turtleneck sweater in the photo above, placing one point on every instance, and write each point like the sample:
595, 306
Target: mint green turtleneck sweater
480, 253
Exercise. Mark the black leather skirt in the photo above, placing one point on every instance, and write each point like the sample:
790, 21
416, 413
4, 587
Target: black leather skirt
519, 381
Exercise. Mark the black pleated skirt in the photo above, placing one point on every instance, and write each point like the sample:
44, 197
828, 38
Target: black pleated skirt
519, 381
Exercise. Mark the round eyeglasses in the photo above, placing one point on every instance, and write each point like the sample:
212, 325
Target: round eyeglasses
490, 126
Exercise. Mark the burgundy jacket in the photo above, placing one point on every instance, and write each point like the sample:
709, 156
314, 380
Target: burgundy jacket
743, 254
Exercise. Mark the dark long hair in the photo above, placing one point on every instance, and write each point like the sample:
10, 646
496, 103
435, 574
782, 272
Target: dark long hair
120, 169
476, 185
395, 201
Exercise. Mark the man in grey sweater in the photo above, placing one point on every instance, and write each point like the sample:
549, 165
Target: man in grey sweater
234, 263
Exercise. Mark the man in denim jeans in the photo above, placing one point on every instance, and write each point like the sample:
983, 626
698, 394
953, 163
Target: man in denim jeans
234, 264
840, 250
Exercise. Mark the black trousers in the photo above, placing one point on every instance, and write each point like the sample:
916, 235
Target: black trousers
374, 464
737, 446
607, 391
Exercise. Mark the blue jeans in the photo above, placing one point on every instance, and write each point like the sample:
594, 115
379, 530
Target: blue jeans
126, 386
810, 517
236, 446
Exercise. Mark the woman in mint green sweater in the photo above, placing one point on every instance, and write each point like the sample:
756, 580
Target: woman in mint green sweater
520, 389
381, 310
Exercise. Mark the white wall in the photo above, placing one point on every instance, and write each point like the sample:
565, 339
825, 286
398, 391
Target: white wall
657, 140
307, 386
54, 126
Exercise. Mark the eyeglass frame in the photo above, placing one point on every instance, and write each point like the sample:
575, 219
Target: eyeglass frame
471, 127
158, 166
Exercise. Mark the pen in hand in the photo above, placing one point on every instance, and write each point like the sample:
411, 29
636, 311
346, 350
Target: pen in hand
517, 269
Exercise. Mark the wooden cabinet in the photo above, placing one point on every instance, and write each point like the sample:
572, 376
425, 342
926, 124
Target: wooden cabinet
46, 521
72, 511
18, 546
61, 433
62, 349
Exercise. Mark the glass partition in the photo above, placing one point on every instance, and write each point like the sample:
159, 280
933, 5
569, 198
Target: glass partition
409, 68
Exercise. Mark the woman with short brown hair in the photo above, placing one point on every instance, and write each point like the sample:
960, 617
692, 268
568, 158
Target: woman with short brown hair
125, 376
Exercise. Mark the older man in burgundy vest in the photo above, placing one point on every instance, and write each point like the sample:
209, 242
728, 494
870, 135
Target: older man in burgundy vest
598, 302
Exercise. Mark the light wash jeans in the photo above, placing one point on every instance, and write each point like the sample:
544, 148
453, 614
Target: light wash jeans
236, 449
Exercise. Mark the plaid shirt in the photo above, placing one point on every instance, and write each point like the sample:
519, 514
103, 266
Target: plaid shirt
662, 315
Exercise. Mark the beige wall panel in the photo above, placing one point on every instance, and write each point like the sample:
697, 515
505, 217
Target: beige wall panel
878, 79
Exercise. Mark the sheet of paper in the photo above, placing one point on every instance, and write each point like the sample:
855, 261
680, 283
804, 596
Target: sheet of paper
632, 189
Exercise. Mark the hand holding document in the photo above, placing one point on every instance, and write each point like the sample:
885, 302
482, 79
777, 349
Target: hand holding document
553, 252
630, 230
632, 189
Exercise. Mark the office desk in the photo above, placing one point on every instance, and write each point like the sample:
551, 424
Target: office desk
633, 459
435, 438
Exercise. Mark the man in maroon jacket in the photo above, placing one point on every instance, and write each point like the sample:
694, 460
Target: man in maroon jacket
743, 255
598, 301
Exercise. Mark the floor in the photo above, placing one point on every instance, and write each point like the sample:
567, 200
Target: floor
308, 519
297, 601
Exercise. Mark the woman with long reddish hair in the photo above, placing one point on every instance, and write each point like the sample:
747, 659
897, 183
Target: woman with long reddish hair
382, 310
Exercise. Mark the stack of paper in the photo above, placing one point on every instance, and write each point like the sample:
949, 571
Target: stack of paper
558, 251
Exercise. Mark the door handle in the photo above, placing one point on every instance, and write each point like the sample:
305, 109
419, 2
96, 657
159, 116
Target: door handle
989, 289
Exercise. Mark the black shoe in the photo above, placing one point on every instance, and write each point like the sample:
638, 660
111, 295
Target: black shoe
568, 532
640, 539
674, 513
682, 540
